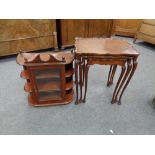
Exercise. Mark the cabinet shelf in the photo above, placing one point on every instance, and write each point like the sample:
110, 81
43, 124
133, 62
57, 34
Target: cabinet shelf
28, 87
69, 72
46, 73
44, 96
49, 86
45, 87
24, 74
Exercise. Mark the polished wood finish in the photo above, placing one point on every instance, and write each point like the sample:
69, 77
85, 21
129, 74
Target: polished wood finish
36, 34
125, 27
99, 27
49, 77
26, 35
71, 28
146, 31
90, 51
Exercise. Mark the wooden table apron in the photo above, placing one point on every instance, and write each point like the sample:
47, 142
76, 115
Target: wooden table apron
128, 64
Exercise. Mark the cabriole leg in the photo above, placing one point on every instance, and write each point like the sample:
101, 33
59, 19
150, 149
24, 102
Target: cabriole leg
129, 78
113, 74
83, 71
76, 81
109, 75
118, 83
86, 80
129, 67
80, 74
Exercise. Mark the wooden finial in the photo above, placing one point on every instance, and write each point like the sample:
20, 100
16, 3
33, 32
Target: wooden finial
25, 59
63, 59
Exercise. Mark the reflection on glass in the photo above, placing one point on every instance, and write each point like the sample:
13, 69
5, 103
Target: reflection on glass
56, 95
48, 83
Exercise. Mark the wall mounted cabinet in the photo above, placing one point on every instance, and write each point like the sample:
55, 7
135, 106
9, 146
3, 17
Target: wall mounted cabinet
48, 77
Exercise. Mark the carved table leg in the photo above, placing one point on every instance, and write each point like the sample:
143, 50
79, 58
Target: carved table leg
113, 74
86, 80
132, 69
118, 83
76, 81
83, 69
129, 67
81, 80
109, 75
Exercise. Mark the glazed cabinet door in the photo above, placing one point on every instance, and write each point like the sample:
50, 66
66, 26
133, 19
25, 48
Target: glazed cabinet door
49, 83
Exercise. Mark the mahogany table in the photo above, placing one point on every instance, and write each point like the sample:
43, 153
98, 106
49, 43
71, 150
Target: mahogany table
104, 51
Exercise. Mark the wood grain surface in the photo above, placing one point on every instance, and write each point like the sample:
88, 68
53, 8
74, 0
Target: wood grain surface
26, 35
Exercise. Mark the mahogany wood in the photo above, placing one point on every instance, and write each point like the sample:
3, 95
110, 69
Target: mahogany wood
49, 77
104, 51
71, 28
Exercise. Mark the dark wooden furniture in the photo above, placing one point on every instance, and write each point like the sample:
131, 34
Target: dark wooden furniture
27, 35
68, 29
49, 77
90, 51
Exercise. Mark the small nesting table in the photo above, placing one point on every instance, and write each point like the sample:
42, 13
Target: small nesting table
104, 51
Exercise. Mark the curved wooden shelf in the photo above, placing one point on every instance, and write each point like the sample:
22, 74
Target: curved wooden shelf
69, 96
48, 87
24, 74
69, 85
69, 73
28, 87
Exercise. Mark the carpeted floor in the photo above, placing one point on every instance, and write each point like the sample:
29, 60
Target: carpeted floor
97, 116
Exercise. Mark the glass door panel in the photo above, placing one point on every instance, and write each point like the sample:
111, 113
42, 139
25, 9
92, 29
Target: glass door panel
48, 81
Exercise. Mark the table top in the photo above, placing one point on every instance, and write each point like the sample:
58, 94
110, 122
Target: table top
104, 46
